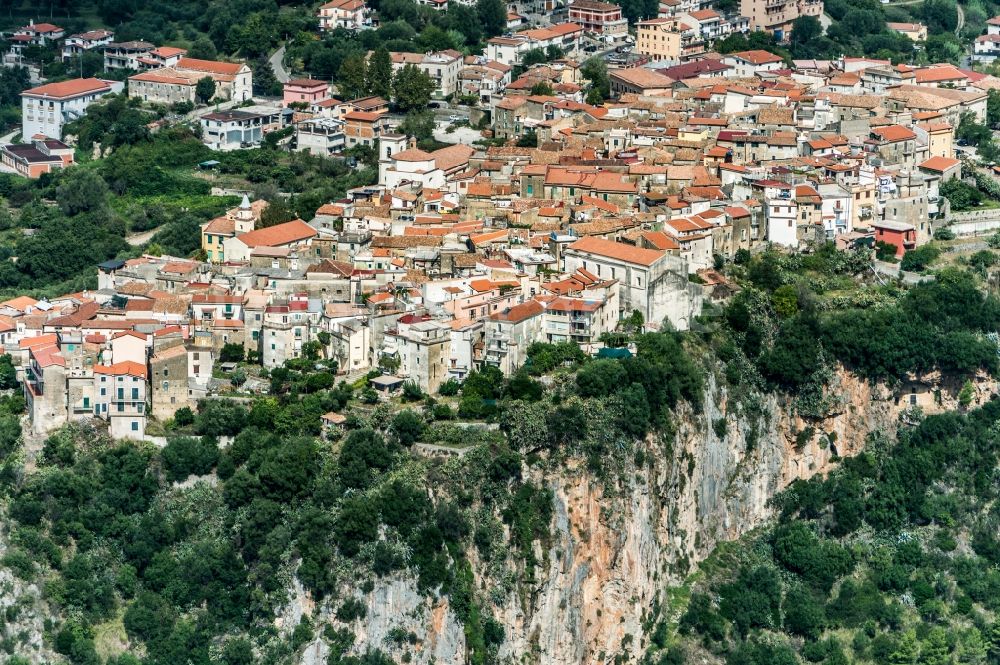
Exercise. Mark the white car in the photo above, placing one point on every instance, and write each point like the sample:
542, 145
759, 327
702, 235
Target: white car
456, 118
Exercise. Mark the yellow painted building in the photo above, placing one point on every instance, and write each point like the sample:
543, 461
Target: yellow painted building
236, 221
659, 39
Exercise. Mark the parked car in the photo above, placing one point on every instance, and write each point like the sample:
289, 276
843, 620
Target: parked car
456, 118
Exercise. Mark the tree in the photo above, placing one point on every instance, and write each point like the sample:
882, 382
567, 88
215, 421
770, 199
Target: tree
8, 374
82, 190
595, 70
919, 258
993, 107
204, 89
804, 614
785, 300
419, 124
535, 56
413, 88
493, 16
541, 88
940, 15
186, 456
351, 77
378, 77
961, 195
202, 49
231, 353
408, 427
276, 212
805, 29
264, 81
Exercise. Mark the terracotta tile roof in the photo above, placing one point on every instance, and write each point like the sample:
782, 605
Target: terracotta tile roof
936, 74
641, 77
616, 250
47, 356
153, 77
939, 164
660, 240
519, 313
37, 341
168, 51
894, 133
220, 226
124, 368
20, 303
178, 267
130, 333
210, 66
279, 234
756, 57
363, 116
71, 88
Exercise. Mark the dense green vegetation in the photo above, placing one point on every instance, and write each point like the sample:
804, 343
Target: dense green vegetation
146, 181
785, 324
112, 537
892, 559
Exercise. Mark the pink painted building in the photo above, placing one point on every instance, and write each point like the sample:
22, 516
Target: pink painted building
306, 91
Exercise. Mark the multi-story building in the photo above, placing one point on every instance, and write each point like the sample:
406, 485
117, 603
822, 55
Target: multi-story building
423, 348
40, 34
364, 127
580, 320
776, 16
170, 84
40, 156
161, 87
76, 44
239, 128
45, 109
304, 91
986, 48
748, 64
442, 66
659, 39
602, 18
126, 55
509, 333
120, 398
285, 328
915, 31
651, 281
321, 136
347, 14
169, 380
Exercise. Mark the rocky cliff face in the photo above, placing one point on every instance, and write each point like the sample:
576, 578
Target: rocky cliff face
616, 548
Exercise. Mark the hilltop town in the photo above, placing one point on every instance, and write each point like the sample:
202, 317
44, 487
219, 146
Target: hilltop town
572, 208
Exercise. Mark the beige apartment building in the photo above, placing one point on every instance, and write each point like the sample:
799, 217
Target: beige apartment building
659, 39
776, 16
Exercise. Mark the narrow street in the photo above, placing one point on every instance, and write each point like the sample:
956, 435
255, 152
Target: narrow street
278, 66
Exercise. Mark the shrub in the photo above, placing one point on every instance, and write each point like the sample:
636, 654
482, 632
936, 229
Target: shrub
449, 388
919, 258
186, 456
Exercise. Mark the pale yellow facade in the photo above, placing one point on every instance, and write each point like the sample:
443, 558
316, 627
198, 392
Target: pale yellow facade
659, 39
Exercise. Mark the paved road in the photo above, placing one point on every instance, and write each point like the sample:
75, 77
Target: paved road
139, 239
961, 19
278, 66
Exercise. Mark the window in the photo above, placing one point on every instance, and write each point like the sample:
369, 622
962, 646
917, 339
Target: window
86, 402
135, 394
166, 384
121, 393
135, 426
